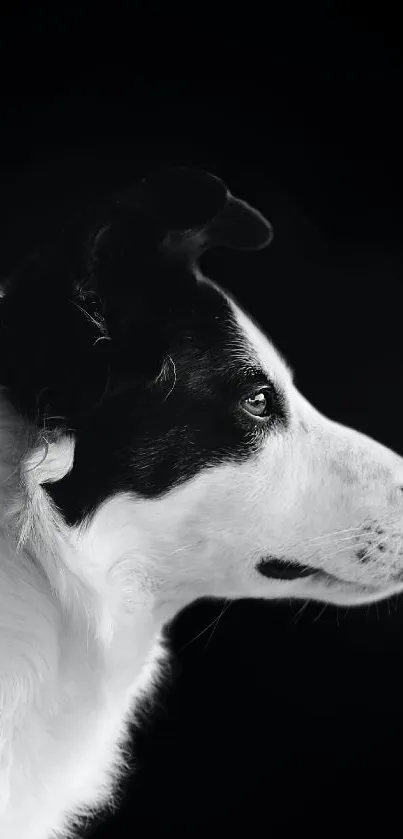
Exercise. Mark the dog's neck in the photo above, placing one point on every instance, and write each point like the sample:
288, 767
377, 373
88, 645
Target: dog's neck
93, 574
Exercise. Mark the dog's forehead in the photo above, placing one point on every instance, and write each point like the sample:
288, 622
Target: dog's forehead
269, 357
251, 345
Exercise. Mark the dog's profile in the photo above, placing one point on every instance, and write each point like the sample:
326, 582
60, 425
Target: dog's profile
153, 450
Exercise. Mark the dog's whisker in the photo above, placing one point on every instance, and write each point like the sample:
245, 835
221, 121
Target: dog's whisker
300, 611
188, 547
320, 613
371, 551
212, 623
167, 554
223, 610
335, 533
319, 539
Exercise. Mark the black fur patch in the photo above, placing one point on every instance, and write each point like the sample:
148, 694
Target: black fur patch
113, 337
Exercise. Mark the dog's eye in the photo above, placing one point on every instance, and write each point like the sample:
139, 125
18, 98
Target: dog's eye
259, 404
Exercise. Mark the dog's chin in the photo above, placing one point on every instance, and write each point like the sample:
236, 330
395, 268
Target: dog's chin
299, 581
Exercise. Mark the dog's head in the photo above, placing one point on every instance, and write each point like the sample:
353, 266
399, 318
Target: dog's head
166, 436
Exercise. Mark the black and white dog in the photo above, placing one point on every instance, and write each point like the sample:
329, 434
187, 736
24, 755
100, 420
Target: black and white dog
154, 450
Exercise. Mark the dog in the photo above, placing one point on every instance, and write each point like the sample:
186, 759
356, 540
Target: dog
154, 450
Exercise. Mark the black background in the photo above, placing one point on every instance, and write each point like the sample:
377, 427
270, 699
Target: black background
276, 720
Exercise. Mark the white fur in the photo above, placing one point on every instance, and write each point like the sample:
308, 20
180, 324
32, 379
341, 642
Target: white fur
81, 611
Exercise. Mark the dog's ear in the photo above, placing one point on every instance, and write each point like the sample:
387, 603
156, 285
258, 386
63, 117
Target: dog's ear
189, 201
183, 199
178, 210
